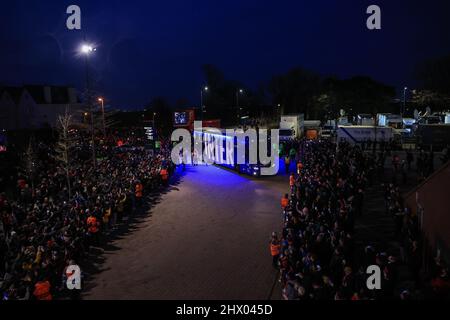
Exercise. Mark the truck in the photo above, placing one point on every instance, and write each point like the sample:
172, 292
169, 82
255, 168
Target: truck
313, 129
359, 134
329, 127
433, 135
365, 119
390, 120
291, 126
395, 121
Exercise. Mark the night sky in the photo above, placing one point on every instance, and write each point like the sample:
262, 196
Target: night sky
156, 48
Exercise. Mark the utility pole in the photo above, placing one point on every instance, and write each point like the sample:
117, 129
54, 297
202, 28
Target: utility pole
102, 101
202, 107
404, 101
238, 108
86, 50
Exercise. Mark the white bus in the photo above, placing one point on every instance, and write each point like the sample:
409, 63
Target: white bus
359, 134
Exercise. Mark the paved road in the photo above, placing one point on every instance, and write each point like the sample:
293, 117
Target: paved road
206, 239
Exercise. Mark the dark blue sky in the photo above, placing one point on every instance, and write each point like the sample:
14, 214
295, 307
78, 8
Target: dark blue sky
156, 48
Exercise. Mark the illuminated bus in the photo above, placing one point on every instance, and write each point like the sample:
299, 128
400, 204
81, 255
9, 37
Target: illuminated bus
221, 149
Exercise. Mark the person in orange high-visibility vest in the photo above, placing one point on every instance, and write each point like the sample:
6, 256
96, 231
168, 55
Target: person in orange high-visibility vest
164, 176
275, 248
93, 228
292, 181
42, 290
285, 201
138, 189
299, 167
92, 224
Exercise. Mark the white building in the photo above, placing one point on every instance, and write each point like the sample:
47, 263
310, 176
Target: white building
30, 107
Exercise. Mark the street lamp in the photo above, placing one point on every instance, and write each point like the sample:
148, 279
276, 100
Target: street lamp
278, 110
202, 107
86, 50
238, 92
404, 100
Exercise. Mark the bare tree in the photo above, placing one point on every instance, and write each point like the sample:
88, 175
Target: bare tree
64, 145
29, 162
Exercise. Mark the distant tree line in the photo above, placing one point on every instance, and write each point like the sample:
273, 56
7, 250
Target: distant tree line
434, 77
298, 91
318, 97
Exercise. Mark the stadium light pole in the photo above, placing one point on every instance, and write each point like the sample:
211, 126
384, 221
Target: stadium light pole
86, 50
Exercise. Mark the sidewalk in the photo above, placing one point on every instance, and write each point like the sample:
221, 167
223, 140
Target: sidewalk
376, 227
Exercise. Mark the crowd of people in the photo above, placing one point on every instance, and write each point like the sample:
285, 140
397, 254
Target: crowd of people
50, 220
432, 284
316, 252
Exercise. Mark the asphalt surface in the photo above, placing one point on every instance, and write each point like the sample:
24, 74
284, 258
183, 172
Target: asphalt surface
207, 238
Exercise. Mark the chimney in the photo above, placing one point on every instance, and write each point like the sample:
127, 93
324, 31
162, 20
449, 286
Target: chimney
48, 94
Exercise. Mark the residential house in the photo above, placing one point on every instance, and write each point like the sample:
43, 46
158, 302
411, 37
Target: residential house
36, 106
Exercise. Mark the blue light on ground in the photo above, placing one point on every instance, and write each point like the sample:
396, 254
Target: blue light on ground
220, 176
227, 177
282, 169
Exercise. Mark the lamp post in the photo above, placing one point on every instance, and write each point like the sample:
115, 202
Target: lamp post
404, 100
202, 107
102, 102
86, 50
238, 113
155, 133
